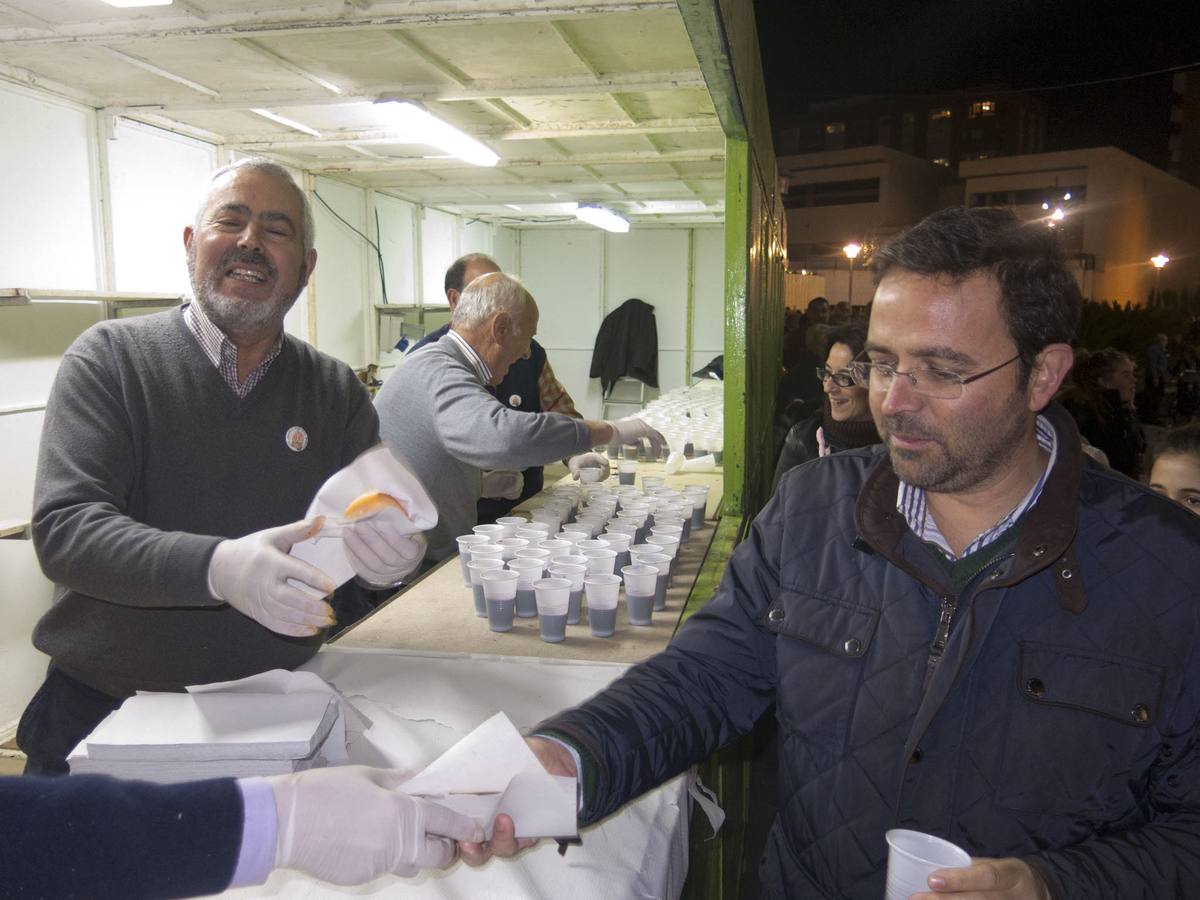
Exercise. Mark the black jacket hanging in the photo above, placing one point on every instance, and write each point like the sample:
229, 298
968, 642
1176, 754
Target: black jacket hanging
627, 344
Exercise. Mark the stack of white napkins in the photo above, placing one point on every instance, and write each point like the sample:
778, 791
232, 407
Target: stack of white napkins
233, 729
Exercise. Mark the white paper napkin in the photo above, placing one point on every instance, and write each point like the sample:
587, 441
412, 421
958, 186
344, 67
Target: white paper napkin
375, 470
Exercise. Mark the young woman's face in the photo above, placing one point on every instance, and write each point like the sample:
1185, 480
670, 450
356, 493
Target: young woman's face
1177, 475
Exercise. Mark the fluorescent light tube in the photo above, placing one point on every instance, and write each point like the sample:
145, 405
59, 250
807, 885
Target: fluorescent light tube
602, 217
289, 123
413, 124
132, 4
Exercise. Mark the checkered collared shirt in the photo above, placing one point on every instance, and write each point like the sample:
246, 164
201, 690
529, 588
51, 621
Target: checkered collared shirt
911, 502
223, 353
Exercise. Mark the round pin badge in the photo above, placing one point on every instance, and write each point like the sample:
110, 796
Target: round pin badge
296, 438
514, 401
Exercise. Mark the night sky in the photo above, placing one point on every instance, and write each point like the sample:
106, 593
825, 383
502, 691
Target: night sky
814, 50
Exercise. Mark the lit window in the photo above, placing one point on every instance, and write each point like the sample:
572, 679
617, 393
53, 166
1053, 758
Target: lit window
942, 161
835, 128
983, 108
936, 114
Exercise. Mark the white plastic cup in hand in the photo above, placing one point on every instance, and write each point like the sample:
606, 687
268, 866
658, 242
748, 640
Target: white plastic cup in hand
493, 532
913, 856
640, 582
591, 475
529, 570
575, 575
476, 568
601, 561
553, 597
500, 592
511, 546
510, 524
602, 592
465, 543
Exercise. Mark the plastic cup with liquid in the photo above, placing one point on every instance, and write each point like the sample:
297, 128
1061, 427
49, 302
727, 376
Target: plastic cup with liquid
533, 535
487, 551
669, 544
574, 535
698, 494
618, 541
575, 575
510, 524
652, 482
666, 527
511, 545
639, 592
913, 856
553, 596
630, 452
627, 471
556, 547
571, 559
500, 592
528, 571
662, 565
476, 568
493, 532
465, 542
591, 475
602, 592
601, 561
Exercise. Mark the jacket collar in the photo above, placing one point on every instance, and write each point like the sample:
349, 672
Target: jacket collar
1047, 530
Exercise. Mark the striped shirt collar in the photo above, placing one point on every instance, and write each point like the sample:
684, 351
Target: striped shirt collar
223, 353
911, 502
476, 361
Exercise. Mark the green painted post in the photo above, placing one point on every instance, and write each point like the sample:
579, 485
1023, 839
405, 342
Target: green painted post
737, 244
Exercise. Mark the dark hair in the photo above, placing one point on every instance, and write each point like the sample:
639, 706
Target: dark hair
852, 334
1184, 440
1092, 368
818, 300
1039, 298
458, 268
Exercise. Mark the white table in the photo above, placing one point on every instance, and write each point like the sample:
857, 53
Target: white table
639, 852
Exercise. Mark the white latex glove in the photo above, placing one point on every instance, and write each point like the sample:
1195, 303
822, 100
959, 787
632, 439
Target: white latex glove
254, 574
632, 430
502, 484
383, 549
348, 825
589, 461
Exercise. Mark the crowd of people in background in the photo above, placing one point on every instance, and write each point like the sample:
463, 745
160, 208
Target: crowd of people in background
1136, 411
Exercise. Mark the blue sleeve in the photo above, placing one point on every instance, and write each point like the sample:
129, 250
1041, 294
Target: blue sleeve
93, 836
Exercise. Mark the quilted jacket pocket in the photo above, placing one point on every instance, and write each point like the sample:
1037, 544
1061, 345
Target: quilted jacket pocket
1081, 723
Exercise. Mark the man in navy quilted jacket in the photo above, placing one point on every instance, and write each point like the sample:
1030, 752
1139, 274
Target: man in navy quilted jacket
973, 631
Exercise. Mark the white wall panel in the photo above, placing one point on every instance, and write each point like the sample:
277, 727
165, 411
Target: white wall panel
156, 180
564, 270
506, 249
652, 266
344, 264
48, 227
708, 313
439, 248
396, 242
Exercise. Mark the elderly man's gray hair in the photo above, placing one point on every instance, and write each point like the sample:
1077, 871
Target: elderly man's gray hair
308, 228
490, 294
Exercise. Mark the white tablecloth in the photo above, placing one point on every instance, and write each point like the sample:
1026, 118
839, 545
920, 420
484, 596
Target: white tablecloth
639, 852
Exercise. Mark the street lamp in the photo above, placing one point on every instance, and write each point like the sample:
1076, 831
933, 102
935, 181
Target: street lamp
851, 250
1158, 261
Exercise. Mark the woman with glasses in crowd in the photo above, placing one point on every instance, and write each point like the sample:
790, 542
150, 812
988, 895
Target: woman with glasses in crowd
844, 422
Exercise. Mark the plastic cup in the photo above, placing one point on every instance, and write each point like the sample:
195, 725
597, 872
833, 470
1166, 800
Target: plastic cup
574, 535
590, 544
465, 542
553, 600
528, 571
639, 592
500, 592
651, 482
668, 542
591, 475
613, 451
618, 541
552, 520
476, 568
627, 471
601, 592
698, 494
575, 575
531, 534
913, 856
570, 559
662, 564
511, 545
629, 452
487, 551
556, 547
492, 532
601, 561
510, 524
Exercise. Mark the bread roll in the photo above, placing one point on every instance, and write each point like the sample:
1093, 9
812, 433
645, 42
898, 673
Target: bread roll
370, 503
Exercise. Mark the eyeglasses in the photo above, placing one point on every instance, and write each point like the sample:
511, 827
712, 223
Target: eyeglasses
840, 377
936, 383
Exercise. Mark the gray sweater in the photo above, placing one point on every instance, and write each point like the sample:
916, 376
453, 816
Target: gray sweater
436, 414
147, 460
